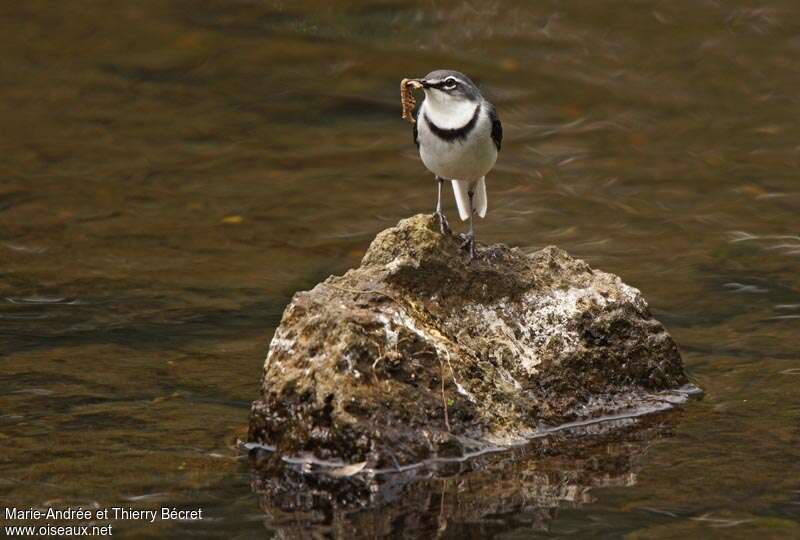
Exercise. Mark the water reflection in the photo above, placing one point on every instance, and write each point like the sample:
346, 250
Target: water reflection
521, 489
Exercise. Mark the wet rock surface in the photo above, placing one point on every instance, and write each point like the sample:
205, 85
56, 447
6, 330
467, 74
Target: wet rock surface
420, 354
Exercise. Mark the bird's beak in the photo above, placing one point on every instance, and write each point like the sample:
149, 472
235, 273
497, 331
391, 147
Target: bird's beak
415, 83
421, 83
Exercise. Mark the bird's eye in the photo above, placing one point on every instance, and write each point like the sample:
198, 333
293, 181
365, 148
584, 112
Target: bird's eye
450, 82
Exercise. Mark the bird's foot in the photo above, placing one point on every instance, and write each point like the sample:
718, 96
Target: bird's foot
444, 226
468, 245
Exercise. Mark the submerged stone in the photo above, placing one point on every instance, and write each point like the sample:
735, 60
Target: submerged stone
420, 354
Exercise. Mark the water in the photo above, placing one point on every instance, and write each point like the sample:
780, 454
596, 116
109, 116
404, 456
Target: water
171, 172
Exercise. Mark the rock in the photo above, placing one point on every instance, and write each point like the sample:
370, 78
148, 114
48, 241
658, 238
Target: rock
419, 353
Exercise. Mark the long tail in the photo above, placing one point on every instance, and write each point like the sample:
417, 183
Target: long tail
461, 191
480, 200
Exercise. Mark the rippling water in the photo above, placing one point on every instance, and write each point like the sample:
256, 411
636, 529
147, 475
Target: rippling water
171, 172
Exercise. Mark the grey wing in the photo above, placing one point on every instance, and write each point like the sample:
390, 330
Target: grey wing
497, 127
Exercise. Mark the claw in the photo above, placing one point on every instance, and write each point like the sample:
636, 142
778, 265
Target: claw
444, 226
469, 245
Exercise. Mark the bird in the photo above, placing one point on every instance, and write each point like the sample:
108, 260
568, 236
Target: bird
459, 135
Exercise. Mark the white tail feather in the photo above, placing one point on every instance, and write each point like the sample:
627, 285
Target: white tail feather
480, 201
461, 191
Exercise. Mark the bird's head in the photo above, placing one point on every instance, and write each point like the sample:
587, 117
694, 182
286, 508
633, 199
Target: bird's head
447, 88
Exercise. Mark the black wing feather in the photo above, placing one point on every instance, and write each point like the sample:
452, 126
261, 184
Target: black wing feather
497, 127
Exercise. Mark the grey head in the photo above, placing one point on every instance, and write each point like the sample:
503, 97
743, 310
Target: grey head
446, 83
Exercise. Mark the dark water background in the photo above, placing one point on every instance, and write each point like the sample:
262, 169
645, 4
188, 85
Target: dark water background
172, 171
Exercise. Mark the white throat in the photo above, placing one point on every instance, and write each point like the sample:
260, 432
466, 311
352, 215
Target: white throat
448, 113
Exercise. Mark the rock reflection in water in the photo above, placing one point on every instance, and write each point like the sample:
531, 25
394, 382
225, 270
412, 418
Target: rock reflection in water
520, 488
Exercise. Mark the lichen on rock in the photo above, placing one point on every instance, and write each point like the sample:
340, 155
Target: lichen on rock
419, 353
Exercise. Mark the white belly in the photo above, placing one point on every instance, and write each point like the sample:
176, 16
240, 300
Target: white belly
462, 159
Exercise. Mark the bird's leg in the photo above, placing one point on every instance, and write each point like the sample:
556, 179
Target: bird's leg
469, 238
443, 225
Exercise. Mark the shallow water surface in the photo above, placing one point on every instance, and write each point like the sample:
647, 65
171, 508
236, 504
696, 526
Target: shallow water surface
172, 172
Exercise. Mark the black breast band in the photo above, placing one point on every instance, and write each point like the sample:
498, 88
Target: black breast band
455, 134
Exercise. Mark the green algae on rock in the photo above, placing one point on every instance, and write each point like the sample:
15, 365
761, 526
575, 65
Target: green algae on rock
419, 353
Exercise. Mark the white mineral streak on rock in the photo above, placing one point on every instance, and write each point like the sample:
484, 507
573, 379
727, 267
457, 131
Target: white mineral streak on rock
501, 331
283, 344
392, 335
397, 263
630, 294
279, 344
546, 317
463, 391
435, 339
402, 318
348, 357
506, 377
